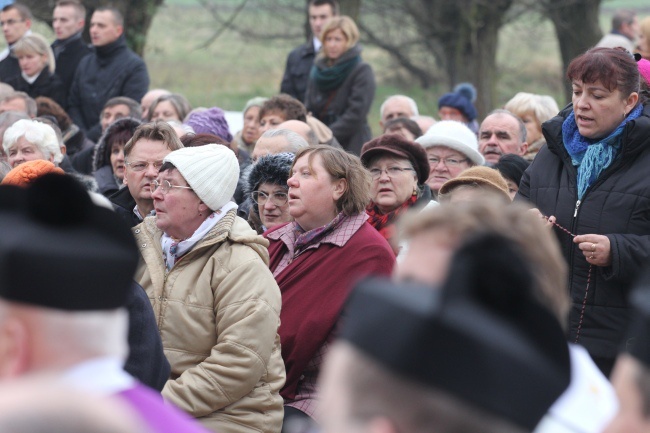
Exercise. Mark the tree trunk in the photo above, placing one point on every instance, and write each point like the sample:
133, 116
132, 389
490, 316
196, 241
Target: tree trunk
350, 8
138, 15
576, 26
470, 39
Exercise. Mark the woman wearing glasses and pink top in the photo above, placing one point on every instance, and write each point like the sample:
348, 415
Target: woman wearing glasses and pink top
399, 170
216, 303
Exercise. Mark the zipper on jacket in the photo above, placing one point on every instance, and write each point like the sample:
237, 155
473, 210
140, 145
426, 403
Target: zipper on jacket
575, 214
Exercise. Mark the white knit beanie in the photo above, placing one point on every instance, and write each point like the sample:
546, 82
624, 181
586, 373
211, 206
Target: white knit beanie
454, 135
211, 170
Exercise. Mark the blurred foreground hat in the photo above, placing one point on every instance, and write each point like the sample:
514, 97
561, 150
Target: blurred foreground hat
396, 145
211, 170
28, 172
61, 251
210, 121
483, 338
480, 175
454, 135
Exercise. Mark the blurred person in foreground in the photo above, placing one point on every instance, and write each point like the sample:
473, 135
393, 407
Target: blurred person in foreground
206, 273
591, 179
66, 275
422, 370
590, 402
316, 258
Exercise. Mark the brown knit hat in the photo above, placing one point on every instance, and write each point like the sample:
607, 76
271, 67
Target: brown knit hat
396, 145
27, 172
481, 175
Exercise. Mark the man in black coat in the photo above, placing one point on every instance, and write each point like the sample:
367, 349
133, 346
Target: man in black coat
68, 20
301, 59
111, 70
16, 20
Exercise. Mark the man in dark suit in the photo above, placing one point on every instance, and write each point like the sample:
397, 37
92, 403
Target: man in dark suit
301, 59
16, 20
68, 20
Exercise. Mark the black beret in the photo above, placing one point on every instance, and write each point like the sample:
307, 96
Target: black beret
482, 338
61, 251
396, 145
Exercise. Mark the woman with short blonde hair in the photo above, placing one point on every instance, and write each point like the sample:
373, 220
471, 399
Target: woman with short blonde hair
37, 65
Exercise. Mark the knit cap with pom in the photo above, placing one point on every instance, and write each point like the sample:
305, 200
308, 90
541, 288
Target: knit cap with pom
644, 69
462, 99
211, 170
25, 173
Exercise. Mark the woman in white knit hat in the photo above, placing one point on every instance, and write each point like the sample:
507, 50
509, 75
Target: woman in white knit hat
216, 302
451, 148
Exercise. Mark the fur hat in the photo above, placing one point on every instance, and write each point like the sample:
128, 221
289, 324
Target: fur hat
27, 172
211, 170
453, 135
396, 145
462, 99
210, 121
273, 169
481, 175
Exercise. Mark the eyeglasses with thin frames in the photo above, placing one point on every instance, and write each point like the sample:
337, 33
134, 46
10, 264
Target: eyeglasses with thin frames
142, 165
449, 162
392, 172
165, 186
277, 198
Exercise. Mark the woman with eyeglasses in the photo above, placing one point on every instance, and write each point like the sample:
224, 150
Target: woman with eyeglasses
399, 170
267, 187
216, 303
451, 148
316, 258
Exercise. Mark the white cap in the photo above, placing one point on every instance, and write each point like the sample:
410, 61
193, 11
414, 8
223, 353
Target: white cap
211, 170
454, 135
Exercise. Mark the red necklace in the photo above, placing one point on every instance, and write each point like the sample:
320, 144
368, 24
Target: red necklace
584, 301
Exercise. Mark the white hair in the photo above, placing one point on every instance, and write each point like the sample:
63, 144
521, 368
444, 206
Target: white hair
411, 102
38, 133
295, 142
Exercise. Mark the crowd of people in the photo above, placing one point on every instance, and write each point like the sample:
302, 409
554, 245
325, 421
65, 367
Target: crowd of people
450, 275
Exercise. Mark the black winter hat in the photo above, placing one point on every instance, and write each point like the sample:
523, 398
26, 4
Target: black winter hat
61, 251
274, 169
482, 337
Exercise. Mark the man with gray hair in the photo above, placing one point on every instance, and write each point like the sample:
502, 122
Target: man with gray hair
66, 272
625, 31
397, 106
501, 132
278, 141
20, 102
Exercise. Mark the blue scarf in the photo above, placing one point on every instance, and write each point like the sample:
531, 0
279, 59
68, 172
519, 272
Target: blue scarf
591, 156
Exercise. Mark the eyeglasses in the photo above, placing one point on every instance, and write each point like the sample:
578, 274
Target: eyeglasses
277, 198
142, 165
165, 186
449, 162
10, 22
390, 171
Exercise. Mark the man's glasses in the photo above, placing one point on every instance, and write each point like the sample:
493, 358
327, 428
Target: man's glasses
165, 186
142, 165
449, 162
277, 198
